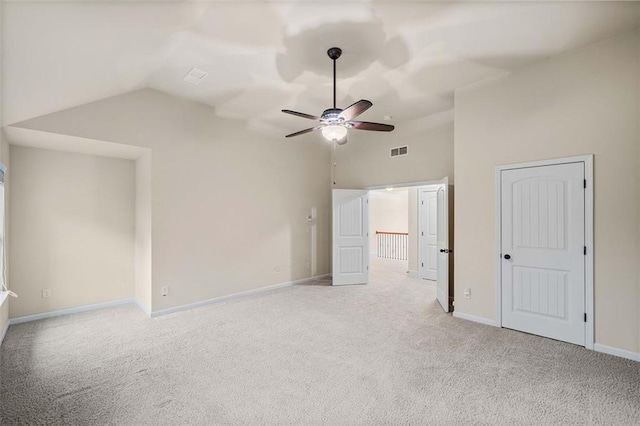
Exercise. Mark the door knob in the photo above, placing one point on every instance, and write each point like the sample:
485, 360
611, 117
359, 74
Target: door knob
442, 250
507, 256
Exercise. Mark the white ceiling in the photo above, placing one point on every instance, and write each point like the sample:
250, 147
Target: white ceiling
406, 57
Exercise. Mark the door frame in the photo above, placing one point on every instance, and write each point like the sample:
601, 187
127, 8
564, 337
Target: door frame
587, 160
418, 185
444, 180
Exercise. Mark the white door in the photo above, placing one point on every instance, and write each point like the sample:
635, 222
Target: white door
542, 249
350, 237
428, 234
442, 245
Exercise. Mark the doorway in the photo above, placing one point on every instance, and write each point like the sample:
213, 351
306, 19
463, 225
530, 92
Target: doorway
386, 230
545, 249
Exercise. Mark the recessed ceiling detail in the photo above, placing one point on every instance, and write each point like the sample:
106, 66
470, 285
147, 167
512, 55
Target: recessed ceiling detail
408, 57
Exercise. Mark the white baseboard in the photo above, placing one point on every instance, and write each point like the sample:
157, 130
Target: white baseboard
474, 318
413, 274
146, 310
622, 353
78, 309
235, 296
142, 306
4, 332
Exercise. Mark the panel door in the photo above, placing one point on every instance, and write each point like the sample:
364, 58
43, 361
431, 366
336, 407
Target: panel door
428, 234
350, 237
542, 250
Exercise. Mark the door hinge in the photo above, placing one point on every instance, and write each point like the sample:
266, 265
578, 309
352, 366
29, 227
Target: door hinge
585, 184
585, 317
423, 265
585, 250
422, 234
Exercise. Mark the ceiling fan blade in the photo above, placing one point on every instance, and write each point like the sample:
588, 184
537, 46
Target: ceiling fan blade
302, 132
354, 110
301, 114
377, 127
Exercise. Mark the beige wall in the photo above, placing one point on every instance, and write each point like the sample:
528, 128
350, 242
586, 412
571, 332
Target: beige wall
72, 229
143, 254
229, 206
387, 213
638, 191
4, 157
584, 102
365, 160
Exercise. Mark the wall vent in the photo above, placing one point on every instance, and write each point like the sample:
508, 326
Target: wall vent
400, 151
195, 76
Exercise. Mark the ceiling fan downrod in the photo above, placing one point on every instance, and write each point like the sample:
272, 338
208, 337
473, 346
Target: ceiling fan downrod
334, 53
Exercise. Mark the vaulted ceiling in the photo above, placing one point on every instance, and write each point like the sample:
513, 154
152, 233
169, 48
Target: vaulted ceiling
406, 57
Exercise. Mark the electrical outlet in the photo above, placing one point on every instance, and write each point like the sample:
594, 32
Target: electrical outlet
467, 293
46, 293
165, 290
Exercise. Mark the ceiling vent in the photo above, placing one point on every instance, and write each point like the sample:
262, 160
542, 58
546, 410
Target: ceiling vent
195, 76
400, 151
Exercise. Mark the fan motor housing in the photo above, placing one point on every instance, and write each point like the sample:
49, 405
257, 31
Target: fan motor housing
334, 53
331, 113
330, 116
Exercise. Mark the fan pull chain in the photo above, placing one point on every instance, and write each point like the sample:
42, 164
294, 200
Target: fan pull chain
333, 160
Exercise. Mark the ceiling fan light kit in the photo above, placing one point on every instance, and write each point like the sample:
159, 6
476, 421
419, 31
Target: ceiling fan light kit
335, 122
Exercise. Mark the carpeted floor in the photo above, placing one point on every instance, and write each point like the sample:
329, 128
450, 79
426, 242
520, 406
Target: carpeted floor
384, 353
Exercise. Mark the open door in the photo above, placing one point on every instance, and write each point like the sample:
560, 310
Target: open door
443, 246
350, 236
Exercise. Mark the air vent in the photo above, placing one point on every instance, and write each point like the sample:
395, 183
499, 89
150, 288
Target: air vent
400, 151
195, 76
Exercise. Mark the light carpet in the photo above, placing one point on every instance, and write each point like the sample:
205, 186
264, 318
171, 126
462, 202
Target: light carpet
384, 353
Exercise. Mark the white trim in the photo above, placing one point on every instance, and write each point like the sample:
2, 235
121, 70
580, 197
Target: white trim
142, 306
4, 295
498, 244
407, 184
4, 332
474, 318
233, 296
587, 160
616, 352
145, 309
78, 309
588, 241
413, 274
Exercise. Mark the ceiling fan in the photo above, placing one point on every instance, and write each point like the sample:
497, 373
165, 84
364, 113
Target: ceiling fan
334, 122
